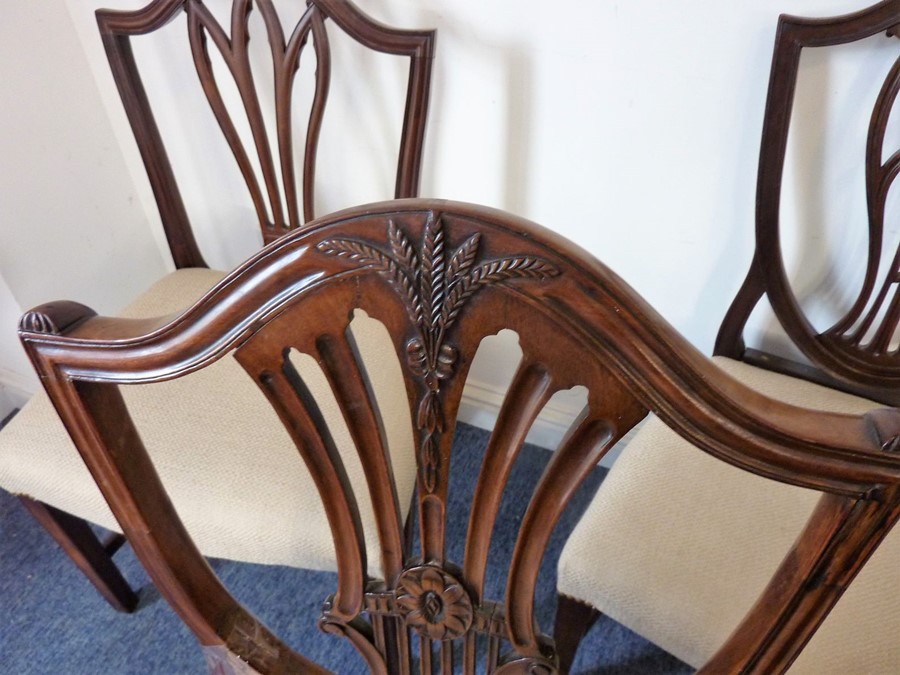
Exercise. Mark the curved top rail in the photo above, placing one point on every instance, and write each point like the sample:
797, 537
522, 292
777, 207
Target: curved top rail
826, 451
836, 30
361, 27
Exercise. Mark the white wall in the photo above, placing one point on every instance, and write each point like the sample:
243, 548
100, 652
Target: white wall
70, 225
630, 127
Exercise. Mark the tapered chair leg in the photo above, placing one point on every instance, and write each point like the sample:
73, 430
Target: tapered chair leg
91, 556
573, 620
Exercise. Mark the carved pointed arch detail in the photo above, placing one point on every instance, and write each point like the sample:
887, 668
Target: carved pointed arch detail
281, 185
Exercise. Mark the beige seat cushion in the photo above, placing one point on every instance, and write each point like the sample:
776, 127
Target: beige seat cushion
677, 546
231, 469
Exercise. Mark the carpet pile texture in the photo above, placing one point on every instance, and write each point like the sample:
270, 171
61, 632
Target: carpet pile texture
53, 621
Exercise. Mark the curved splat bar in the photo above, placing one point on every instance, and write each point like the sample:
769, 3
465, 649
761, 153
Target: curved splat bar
342, 366
299, 412
528, 393
316, 115
611, 412
200, 24
879, 176
440, 276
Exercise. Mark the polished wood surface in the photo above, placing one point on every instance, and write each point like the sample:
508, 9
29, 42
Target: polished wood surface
441, 276
855, 354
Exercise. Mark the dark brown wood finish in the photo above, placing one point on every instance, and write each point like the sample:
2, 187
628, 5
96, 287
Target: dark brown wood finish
854, 355
117, 29
441, 276
278, 184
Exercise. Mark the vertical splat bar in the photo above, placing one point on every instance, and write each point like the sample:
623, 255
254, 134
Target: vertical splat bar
585, 446
447, 657
341, 361
301, 417
199, 19
316, 113
403, 649
425, 656
528, 392
878, 180
493, 653
243, 78
285, 62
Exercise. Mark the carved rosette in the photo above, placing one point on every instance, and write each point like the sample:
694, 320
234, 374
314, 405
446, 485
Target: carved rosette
434, 291
434, 602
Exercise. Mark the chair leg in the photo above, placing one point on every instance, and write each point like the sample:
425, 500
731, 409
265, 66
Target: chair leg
573, 620
91, 556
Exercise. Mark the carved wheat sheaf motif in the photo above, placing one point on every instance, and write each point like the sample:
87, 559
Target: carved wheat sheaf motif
434, 291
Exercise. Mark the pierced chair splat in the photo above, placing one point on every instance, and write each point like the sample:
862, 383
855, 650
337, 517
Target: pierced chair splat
440, 276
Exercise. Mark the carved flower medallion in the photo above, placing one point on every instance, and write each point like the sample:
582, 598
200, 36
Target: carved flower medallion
434, 602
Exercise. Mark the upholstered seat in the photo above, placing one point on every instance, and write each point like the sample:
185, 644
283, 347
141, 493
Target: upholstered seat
682, 595
214, 429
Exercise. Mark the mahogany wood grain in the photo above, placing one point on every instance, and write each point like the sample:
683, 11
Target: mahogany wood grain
852, 356
441, 276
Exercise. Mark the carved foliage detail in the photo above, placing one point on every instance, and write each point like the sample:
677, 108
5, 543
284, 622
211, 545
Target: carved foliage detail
434, 602
434, 290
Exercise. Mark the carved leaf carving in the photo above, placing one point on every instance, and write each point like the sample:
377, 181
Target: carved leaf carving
434, 293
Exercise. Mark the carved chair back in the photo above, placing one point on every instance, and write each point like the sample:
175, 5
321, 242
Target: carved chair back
441, 276
270, 158
856, 353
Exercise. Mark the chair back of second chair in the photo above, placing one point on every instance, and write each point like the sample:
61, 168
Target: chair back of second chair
858, 354
276, 156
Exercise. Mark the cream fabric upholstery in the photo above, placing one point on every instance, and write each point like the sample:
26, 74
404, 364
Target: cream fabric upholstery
231, 469
677, 546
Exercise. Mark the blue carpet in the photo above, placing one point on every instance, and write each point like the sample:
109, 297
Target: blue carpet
54, 622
